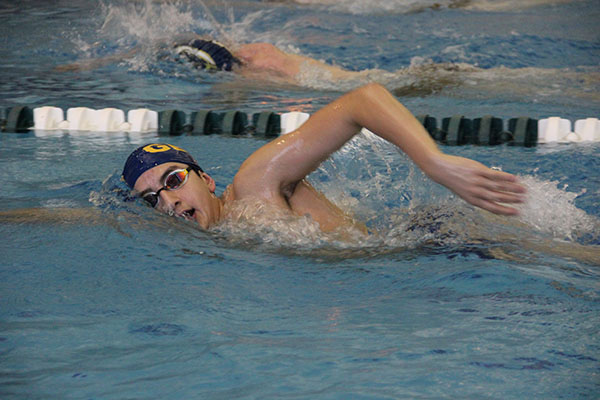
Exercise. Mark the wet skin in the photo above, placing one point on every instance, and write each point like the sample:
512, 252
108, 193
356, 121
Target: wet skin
276, 173
196, 200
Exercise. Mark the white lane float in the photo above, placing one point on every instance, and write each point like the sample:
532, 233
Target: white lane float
558, 130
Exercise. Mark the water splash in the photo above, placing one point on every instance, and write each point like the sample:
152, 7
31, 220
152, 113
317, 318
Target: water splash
550, 209
141, 34
151, 24
148, 22
113, 194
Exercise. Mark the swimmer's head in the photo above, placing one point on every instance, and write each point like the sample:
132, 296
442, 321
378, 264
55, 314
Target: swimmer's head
151, 155
207, 54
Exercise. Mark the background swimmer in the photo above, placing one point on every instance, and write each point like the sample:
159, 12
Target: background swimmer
255, 60
264, 62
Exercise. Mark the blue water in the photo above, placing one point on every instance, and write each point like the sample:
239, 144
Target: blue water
114, 301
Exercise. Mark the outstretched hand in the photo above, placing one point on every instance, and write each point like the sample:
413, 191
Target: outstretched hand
477, 184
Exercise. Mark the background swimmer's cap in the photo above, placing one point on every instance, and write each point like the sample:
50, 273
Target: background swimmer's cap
149, 156
207, 54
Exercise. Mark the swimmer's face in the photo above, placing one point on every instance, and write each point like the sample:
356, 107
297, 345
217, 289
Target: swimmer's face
194, 200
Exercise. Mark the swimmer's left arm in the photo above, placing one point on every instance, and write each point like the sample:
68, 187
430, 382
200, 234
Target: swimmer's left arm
290, 158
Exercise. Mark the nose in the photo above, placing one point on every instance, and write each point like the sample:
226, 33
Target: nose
169, 201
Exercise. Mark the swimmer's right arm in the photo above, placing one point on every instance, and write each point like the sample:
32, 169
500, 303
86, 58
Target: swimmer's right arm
291, 157
381, 113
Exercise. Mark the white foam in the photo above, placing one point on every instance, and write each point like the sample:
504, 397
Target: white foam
550, 209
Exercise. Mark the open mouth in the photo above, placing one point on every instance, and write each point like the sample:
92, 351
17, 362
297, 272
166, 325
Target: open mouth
189, 214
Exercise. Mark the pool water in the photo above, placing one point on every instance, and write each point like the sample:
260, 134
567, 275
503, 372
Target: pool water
102, 298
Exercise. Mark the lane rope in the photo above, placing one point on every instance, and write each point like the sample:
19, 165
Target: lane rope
453, 131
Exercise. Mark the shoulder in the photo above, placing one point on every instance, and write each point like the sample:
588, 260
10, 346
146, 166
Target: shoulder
258, 178
257, 48
249, 182
260, 54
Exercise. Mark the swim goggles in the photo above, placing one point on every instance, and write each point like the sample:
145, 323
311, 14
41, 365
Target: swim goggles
173, 181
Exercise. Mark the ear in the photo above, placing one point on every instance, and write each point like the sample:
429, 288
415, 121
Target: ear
210, 182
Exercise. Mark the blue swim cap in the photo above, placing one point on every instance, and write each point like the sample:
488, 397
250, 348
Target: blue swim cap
207, 54
151, 155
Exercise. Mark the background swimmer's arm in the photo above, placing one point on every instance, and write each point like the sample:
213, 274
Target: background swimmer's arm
93, 63
291, 157
265, 57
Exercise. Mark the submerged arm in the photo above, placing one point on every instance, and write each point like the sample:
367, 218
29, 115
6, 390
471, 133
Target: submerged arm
61, 216
57, 215
93, 63
290, 158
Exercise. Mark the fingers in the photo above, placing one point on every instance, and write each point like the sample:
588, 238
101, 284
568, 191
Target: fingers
500, 197
501, 181
495, 189
495, 207
490, 204
489, 189
503, 187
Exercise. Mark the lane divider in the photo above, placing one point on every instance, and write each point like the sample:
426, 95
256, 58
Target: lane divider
456, 130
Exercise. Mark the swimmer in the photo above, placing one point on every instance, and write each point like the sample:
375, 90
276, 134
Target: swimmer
263, 62
170, 180
251, 60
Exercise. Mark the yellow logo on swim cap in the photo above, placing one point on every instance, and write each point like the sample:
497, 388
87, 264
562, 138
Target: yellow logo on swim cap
158, 148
